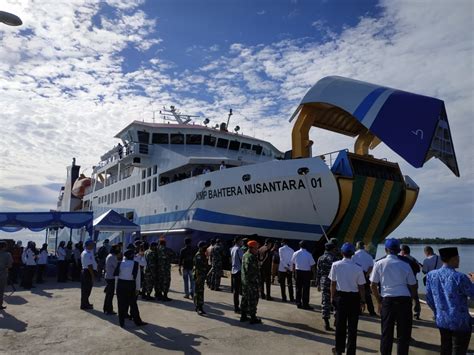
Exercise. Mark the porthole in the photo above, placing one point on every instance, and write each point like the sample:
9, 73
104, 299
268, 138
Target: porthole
303, 171
246, 177
207, 183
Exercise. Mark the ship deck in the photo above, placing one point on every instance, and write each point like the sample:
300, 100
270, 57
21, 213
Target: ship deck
48, 321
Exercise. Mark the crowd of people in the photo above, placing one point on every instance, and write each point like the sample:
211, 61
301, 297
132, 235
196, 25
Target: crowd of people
346, 276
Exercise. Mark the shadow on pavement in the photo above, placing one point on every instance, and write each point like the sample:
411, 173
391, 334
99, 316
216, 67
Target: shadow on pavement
166, 338
7, 321
15, 299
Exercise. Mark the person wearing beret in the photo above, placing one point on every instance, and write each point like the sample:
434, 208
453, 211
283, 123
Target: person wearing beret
250, 284
447, 294
323, 283
348, 295
397, 288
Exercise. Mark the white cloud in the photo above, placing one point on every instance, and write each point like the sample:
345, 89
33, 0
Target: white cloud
64, 92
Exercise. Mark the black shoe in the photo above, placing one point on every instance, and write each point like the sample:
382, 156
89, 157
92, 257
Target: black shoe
334, 351
159, 298
299, 306
373, 314
292, 300
201, 312
87, 307
140, 323
166, 299
128, 316
269, 298
262, 296
147, 297
417, 317
3, 307
244, 318
327, 326
255, 320
110, 313
237, 310
284, 300
308, 307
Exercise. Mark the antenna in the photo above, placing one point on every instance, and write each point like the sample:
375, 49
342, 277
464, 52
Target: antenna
228, 118
173, 114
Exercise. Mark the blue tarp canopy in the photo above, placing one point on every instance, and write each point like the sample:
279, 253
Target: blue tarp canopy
414, 126
38, 221
112, 221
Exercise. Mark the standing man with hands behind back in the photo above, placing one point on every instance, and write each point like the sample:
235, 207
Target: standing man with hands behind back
89, 268
398, 287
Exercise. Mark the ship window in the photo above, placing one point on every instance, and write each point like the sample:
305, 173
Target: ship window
159, 138
143, 174
148, 172
128, 193
193, 139
234, 145
222, 143
120, 195
257, 149
123, 194
177, 138
246, 146
116, 197
108, 199
143, 188
210, 140
133, 191
143, 137
155, 183
148, 186
155, 169
246, 177
138, 190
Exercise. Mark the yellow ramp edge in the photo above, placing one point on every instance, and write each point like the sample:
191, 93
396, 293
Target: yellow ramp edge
379, 211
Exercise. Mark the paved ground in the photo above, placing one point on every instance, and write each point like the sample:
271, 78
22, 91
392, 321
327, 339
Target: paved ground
49, 321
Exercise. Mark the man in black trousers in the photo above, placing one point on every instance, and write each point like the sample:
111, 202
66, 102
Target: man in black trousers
89, 268
397, 288
348, 297
111, 263
128, 287
302, 262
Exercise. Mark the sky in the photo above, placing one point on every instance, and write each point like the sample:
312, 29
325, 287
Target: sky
78, 71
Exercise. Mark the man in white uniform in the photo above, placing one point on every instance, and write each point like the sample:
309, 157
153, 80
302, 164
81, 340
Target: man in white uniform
366, 262
89, 268
302, 262
284, 271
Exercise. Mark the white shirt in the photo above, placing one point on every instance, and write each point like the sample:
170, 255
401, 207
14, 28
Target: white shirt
87, 258
236, 254
29, 257
222, 167
347, 275
286, 253
432, 262
394, 276
126, 272
302, 260
43, 257
110, 264
61, 254
140, 259
363, 259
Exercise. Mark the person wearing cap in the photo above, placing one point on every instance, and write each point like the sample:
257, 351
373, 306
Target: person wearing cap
186, 256
89, 268
323, 283
397, 288
6, 262
111, 263
285, 271
302, 262
217, 254
366, 262
447, 294
250, 284
200, 270
165, 255
348, 295
128, 288
236, 255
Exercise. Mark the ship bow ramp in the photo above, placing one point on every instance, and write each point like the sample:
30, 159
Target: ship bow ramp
375, 196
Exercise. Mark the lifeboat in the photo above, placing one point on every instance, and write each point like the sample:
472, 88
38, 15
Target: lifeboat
80, 186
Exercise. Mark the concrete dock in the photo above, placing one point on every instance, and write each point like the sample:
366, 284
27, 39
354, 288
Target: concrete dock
48, 320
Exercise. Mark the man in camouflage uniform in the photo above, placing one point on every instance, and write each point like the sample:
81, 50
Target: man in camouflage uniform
323, 283
200, 267
165, 255
216, 266
250, 284
151, 271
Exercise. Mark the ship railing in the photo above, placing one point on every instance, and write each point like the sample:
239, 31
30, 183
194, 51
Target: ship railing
330, 158
119, 152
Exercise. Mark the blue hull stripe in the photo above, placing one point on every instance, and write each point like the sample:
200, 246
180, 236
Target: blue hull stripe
367, 103
203, 215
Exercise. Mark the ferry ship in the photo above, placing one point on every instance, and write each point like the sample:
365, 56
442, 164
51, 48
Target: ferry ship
185, 179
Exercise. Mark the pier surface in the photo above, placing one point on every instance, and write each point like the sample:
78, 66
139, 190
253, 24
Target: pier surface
48, 321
